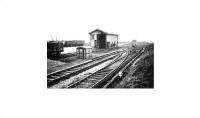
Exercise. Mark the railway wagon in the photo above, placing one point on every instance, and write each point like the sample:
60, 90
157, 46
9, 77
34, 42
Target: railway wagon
73, 43
54, 49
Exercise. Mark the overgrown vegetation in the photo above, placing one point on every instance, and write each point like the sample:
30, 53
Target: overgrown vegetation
140, 74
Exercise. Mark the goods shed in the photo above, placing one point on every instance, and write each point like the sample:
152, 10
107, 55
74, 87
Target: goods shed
101, 39
84, 52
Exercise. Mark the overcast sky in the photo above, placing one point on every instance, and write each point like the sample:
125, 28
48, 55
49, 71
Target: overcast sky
76, 18
143, 20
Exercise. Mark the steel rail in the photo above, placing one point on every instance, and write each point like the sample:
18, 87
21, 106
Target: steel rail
87, 62
105, 81
63, 75
98, 73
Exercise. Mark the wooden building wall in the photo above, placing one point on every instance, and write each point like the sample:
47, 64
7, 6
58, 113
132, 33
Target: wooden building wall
100, 39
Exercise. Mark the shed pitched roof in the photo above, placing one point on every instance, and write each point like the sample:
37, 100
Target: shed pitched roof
99, 30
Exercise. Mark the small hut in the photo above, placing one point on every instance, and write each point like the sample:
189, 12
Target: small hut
84, 52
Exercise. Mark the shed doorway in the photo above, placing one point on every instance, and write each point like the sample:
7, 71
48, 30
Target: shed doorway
101, 41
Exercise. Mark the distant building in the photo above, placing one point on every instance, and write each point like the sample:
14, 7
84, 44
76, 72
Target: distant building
101, 39
133, 43
73, 43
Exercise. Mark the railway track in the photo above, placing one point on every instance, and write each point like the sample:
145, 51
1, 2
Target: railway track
104, 77
93, 79
62, 67
56, 77
122, 68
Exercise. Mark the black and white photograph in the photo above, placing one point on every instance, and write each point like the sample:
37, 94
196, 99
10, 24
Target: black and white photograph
103, 62
99, 58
